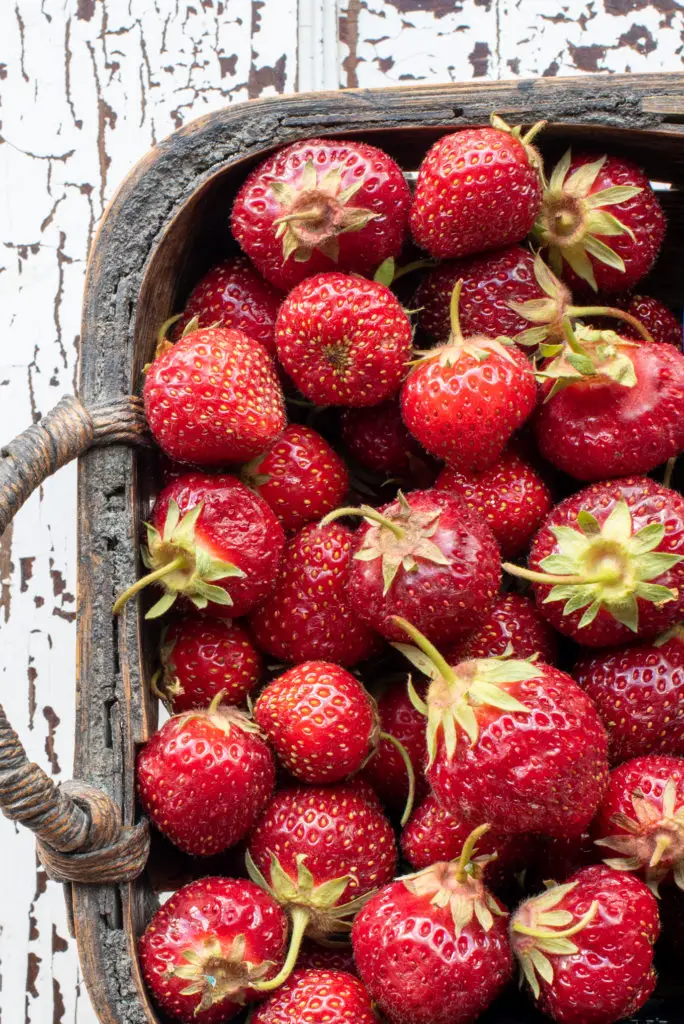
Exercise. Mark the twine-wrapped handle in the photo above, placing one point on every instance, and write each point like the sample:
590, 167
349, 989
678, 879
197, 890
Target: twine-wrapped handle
78, 827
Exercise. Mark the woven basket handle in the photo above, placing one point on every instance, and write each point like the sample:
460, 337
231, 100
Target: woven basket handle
78, 827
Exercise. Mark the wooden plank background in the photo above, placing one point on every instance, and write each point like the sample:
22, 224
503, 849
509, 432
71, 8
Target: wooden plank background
86, 86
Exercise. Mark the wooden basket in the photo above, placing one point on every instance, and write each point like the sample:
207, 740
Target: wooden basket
166, 225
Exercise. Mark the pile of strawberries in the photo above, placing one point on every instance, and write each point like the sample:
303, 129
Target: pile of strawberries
345, 640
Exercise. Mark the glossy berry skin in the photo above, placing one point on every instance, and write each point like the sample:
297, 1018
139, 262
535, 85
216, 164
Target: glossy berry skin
639, 693
320, 720
661, 322
201, 658
595, 429
212, 911
318, 997
300, 476
344, 340
213, 398
383, 192
510, 496
377, 438
312, 956
490, 282
204, 778
309, 616
386, 771
512, 620
233, 294
476, 190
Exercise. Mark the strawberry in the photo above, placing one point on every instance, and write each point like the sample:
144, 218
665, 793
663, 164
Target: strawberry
659, 321
300, 476
639, 693
510, 495
377, 438
213, 398
343, 340
641, 819
586, 947
232, 294
427, 557
386, 770
601, 222
463, 400
510, 742
514, 626
209, 946
477, 189
559, 857
309, 617
201, 658
320, 204
318, 996
432, 947
606, 564
204, 778
213, 541
339, 958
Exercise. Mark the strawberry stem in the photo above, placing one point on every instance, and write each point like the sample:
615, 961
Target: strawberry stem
366, 512
145, 581
427, 648
544, 577
401, 750
567, 933
159, 694
669, 470
300, 920
663, 844
615, 314
456, 332
468, 850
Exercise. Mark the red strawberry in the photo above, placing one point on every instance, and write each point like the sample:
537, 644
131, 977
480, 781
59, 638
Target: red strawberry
213, 398
585, 947
232, 294
205, 778
319, 204
601, 222
343, 340
209, 946
432, 947
315, 957
318, 997
511, 742
377, 438
201, 658
639, 693
510, 496
477, 189
386, 770
607, 563
309, 616
513, 624
463, 400
214, 542
641, 819
300, 476
658, 320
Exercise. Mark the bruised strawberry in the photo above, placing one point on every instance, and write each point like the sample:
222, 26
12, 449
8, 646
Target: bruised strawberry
318, 996
513, 625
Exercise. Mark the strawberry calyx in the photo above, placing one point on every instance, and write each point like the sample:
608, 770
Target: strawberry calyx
181, 565
526, 138
588, 355
216, 973
675, 632
478, 346
605, 566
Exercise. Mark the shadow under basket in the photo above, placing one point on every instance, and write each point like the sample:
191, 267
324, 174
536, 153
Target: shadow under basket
166, 225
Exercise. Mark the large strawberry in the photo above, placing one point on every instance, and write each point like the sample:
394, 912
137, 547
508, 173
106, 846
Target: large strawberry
607, 564
586, 947
344, 340
477, 189
309, 616
512, 626
376, 436
209, 946
320, 204
212, 541
432, 947
318, 996
204, 778
213, 398
510, 742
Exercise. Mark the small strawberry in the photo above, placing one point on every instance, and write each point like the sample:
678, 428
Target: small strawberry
213, 541
209, 946
641, 819
309, 617
204, 778
510, 496
639, 693
607, 564
512, 625
432, 947
511, 742
344, 340
601, 222
477, 189
300, 476
658, 320
318, 997
201, 658
586, 947
377, 438
213, 398
323, 958
386, 770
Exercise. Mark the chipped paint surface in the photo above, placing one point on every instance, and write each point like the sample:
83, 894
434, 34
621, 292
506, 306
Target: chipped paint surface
86, 86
